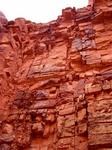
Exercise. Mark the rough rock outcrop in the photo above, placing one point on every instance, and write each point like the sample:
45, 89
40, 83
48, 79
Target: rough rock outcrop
56, 81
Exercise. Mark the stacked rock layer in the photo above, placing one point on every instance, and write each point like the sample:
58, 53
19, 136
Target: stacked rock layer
56, 81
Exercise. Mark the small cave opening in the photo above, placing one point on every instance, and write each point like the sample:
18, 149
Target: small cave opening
8, 74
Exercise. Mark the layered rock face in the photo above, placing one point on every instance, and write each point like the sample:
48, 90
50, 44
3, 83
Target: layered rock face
56, 81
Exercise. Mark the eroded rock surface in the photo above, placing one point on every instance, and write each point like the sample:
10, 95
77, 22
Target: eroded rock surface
56, 81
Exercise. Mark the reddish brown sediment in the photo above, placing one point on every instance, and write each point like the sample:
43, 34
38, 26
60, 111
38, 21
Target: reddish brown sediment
56, 81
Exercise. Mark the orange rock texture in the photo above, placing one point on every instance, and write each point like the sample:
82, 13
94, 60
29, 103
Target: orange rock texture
56, 81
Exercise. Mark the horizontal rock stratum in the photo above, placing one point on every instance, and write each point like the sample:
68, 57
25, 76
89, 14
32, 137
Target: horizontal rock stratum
56, 81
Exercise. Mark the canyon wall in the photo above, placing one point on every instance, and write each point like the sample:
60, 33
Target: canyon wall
56, 81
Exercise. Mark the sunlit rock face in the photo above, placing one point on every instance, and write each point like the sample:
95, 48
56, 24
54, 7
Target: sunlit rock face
56, 81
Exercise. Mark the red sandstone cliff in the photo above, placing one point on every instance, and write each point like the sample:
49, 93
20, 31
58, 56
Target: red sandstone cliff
56, 81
